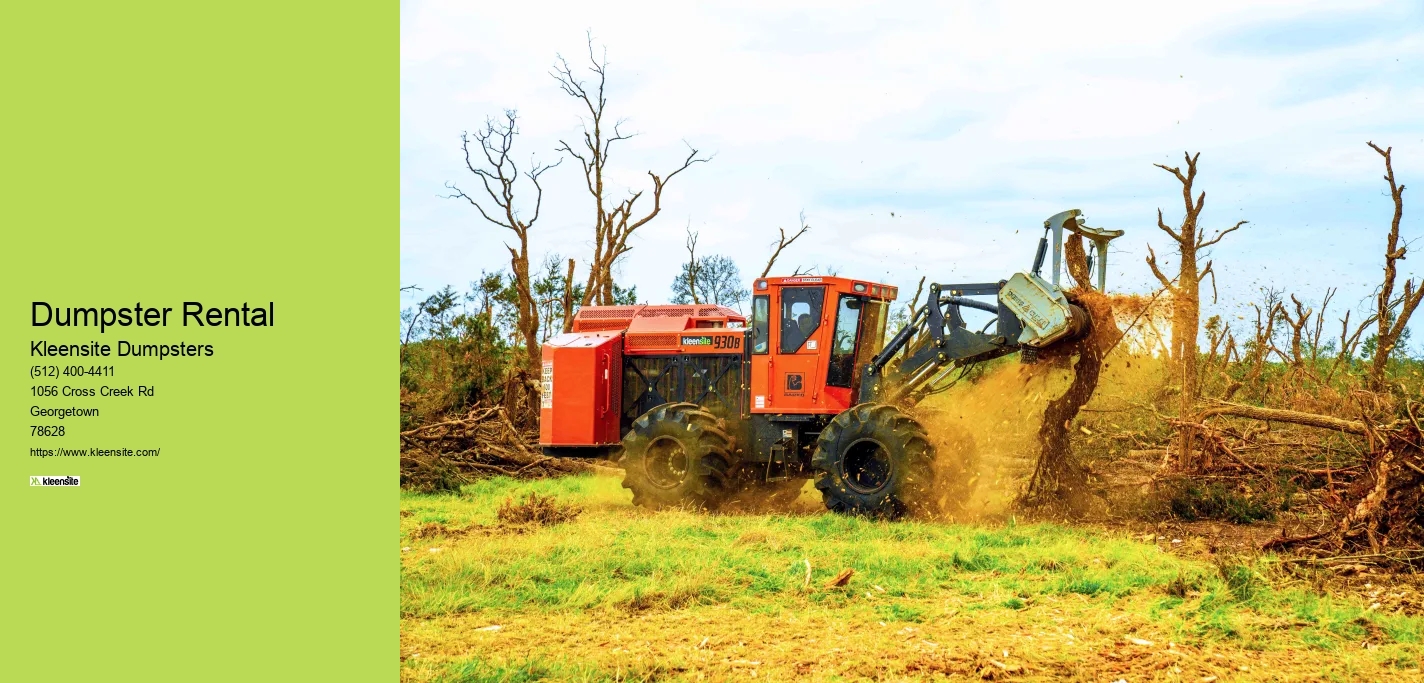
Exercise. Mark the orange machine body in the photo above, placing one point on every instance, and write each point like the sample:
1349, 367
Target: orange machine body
579, 392
582, 388
667, 328
808, 329
800, 354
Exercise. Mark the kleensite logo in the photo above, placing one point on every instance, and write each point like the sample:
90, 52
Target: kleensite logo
54, 481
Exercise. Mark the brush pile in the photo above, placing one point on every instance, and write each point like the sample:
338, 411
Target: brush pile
1380, 516
442, 456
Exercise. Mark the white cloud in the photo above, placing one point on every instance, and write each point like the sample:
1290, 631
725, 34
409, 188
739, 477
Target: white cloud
968, 120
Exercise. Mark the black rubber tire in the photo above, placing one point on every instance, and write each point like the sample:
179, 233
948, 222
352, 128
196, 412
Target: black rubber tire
874, 460
677, 455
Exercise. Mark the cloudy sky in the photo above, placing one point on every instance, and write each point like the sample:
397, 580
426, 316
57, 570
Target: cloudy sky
934, 138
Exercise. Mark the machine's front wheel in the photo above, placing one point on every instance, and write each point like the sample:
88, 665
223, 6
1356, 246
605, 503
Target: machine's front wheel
874, 460
677, 454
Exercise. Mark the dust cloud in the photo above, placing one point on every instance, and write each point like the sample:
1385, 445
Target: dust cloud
989, 431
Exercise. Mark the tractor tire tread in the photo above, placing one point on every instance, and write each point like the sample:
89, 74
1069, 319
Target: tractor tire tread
910, 450
702, 436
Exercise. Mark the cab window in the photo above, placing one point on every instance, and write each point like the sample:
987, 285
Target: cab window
841, 370
761, 330
800, 316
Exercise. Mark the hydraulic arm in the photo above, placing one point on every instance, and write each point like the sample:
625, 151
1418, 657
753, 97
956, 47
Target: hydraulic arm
1029, 313
937, 340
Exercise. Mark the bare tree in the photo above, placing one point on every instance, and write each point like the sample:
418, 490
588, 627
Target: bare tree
1186, 295
614, 221
1318, 327
1297, 325
692, 263
569, 299
783, 243
1391, 315
1217, 332
1348, 342
491, 163
414, 316
1262, 342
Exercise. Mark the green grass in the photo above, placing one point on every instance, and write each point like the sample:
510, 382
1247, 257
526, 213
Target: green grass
1193, 501
639, 560
477, 669
618, 561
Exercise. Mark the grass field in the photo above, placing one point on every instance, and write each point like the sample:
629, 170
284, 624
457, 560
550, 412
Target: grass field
621, 593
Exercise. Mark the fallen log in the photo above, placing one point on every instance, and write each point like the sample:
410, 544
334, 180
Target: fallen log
1279, 415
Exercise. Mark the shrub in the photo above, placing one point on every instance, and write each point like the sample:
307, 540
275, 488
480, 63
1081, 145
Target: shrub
1193, 501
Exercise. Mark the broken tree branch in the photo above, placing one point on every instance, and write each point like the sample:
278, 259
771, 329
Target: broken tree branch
782, 243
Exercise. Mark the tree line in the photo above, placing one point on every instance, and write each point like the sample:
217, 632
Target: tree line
504, 317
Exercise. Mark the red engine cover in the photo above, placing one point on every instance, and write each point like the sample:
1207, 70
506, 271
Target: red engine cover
581, 389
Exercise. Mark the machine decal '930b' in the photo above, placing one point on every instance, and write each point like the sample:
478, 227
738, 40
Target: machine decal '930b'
722, 342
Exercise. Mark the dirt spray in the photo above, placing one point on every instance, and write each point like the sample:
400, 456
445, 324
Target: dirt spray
1004, 437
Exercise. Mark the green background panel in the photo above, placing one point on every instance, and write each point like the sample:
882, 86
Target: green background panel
170, 152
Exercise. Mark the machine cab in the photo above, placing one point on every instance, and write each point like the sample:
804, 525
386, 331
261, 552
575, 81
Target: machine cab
810, 337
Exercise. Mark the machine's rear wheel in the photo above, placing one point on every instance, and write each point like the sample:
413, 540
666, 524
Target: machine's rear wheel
874, 460
677, 454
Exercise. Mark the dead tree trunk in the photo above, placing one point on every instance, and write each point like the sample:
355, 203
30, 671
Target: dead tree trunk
1186, 297
498, 174
1392, 315
692, 265
568, 299
1060, 483
1297, 325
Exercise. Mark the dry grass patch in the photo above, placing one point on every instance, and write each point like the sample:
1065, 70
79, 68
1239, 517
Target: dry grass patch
536, 509
429, 530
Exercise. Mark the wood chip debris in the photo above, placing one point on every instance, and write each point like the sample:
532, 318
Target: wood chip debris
841, 579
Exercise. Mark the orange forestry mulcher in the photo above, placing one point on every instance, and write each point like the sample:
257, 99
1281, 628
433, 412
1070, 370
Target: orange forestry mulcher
700, 402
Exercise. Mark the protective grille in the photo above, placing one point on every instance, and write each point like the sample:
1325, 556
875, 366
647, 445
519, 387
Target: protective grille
624, 312
713, 382
665, 312
652, 341
600, 326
